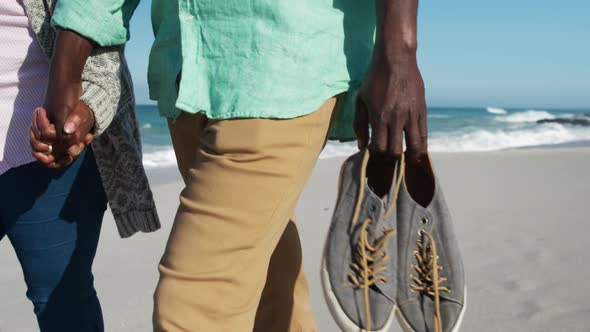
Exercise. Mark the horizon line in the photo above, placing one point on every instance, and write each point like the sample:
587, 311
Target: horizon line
530, 108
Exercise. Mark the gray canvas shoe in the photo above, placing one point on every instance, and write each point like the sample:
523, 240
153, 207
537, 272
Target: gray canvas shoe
431, 283
359, 263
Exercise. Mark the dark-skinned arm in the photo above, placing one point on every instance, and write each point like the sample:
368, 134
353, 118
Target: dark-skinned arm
65, 79
392, 100
69, 120
65, 121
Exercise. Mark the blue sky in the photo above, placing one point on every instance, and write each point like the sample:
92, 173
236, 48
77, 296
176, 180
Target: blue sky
507, 53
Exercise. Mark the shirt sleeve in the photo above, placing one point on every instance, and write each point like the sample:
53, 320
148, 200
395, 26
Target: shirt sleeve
106, 22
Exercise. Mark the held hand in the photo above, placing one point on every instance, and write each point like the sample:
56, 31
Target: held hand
43, 137
61, 101
391, 101
77, 130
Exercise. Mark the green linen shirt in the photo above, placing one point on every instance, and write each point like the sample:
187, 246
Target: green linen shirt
243, 58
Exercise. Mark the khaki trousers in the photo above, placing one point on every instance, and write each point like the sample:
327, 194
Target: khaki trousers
233, 261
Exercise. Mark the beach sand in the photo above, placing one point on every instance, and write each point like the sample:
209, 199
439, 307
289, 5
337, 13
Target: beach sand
520, 217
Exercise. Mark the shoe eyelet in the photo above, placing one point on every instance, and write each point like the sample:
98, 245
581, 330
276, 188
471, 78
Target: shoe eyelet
420, 232
424, 221
373, 208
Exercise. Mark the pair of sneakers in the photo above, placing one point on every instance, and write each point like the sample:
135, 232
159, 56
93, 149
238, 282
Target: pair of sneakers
389, 257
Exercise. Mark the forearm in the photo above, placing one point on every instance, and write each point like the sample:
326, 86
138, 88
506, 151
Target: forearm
396, 35
391, 99
71, 52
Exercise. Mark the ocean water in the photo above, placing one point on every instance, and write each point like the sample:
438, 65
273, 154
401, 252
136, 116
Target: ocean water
449, 130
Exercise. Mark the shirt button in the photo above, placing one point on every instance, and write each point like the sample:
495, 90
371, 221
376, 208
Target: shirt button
188, 17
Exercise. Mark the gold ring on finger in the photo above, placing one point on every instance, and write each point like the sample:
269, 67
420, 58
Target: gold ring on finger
49, 150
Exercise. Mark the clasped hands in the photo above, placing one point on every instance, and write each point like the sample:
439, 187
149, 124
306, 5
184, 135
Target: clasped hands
62, 128
58, 146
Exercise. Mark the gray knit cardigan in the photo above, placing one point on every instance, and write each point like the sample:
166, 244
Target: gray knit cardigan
108, 91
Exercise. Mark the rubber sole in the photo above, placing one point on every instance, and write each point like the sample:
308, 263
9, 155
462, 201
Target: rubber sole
407, 328
340, 317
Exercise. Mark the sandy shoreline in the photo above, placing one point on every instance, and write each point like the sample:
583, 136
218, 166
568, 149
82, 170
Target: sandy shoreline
519, 215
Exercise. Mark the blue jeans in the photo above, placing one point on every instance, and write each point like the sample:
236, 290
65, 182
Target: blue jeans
53, 220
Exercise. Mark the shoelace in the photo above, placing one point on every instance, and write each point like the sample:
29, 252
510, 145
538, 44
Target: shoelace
371, 258
428, 281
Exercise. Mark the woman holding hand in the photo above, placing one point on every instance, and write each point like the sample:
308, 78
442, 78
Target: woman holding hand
52, 210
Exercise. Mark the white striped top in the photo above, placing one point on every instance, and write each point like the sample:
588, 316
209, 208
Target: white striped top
24, 70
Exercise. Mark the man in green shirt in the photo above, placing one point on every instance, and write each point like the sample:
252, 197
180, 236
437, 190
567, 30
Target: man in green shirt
252, 90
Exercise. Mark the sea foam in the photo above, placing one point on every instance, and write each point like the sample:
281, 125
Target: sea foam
526, 116
159, 157
496, 110
450, 130
490, 140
